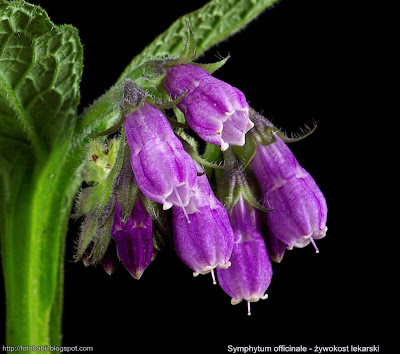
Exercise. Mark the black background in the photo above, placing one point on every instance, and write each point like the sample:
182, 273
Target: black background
302, 61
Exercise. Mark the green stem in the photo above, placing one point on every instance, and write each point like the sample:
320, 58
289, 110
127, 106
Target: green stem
33, 243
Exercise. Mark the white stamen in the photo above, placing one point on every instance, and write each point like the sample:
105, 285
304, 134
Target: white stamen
248, 308
315, 246
213, 276
181, 205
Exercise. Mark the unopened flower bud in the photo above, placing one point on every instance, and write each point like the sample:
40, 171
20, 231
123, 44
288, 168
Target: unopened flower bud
215, 110
134, 239
110, 260
275, 247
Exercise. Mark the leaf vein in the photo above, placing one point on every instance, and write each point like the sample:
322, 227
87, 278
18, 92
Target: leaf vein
22, 116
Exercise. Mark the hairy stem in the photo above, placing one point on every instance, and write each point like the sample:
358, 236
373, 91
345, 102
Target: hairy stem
33, 243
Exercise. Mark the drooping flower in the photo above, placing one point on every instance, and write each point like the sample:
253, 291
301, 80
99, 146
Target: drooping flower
215, 110
250, 274
299, 208
134, 238
163, 170
207, 241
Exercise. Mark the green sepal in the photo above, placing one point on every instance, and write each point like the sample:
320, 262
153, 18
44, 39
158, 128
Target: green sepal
107, 212
188, 142
234, 182
173, 103
180, 117
264, 135
158, 241
249, 190
299, 137
100, 242
125, 188
212, 67
94, 240
112, 129
203, 162
155, 211
191, 147
189, 52
176, 125
212, 153
227, 189
246, 152
87, 234
86, 202
264, 131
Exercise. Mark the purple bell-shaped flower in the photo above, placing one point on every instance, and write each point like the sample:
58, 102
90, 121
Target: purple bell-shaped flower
203, 236
163, 170
215, 110
299, 208
250, 274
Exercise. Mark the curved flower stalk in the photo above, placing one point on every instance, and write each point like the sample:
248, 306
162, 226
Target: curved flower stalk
207, 241
163, 170
250, 274
299, 208
215, 110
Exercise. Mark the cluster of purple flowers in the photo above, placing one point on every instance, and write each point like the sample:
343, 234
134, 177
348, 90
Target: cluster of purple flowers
207, 235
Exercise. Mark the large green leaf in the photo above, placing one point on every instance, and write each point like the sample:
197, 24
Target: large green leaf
40, 70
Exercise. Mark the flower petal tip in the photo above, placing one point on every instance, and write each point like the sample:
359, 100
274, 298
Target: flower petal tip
224, 266
236, 301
